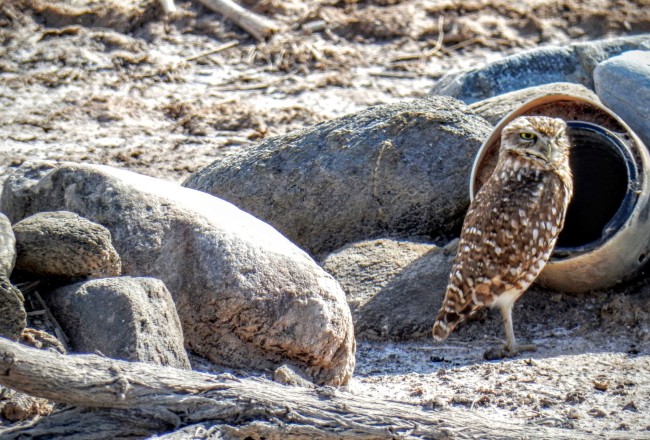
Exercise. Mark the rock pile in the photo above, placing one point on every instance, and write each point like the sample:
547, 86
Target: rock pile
244, 295
111, 315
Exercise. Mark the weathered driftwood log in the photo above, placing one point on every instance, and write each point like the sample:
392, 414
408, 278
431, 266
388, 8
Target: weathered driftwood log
257, 26
118, 399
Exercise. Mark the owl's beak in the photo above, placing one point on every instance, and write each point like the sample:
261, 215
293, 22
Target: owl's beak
554, 145
544, 153
549, 149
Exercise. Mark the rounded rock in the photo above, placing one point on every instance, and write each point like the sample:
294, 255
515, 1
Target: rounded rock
623, 84
393, 286
131, 318
64, 245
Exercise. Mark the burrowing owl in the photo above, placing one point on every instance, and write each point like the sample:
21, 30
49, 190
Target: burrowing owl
511, 226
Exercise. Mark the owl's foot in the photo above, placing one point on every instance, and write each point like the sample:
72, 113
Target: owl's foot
496, 353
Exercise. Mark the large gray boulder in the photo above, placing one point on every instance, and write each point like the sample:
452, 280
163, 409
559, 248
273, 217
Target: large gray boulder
123, 318
64, 245
394, 288
574, 63
394, 170
7, 246
246, 296
623, 84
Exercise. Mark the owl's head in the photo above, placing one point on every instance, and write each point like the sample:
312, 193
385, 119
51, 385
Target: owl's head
540, 139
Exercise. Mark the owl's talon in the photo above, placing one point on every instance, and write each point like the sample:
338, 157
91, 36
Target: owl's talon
496, 353
527, 347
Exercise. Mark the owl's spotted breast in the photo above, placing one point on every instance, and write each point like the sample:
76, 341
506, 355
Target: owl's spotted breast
508, 247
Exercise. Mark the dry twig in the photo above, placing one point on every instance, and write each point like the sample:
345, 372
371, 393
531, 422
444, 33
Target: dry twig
60, 334
428, 54
259, 27
219, 48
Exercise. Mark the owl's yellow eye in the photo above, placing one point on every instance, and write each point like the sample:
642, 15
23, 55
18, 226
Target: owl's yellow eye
527, 136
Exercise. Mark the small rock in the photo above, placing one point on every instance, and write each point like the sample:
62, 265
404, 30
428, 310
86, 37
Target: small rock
573, 413
288, 375
398, 170
122, 318
601, 386
574, 63
64, 245
623, 84
7, 246
575, 397
394, 288
630, 406
495, 108
13, 317
597, 412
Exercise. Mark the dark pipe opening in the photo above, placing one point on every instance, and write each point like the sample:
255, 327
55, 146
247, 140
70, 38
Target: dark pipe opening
605, 179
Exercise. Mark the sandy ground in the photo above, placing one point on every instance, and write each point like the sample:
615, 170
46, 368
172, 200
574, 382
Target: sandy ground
118, 83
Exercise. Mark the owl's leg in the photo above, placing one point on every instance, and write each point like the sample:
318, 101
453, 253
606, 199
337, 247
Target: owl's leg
511, 348
511, 342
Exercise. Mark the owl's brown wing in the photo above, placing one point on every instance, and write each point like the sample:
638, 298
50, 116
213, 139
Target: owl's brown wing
507, 238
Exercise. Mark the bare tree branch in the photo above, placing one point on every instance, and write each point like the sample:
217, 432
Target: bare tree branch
259, 27
133, 399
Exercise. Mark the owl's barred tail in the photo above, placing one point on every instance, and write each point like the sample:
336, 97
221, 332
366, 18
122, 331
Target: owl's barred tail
445, 323
440, 332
